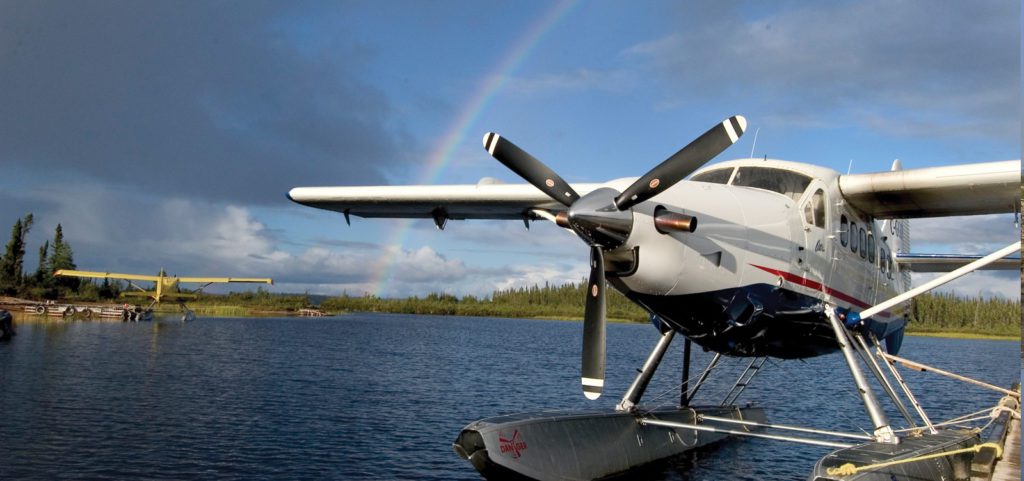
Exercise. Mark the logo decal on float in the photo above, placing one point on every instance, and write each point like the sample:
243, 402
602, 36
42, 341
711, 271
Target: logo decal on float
513, 446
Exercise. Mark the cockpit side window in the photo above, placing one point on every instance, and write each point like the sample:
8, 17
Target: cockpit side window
814, 211
717, 176
785, 182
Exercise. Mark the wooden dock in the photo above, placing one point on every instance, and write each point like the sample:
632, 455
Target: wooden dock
1008, 468
312, 313
1005, 432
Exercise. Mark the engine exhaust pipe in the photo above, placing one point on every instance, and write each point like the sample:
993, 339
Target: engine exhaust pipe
562, 219
666, 221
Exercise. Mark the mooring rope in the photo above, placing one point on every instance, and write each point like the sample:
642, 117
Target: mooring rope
849, 469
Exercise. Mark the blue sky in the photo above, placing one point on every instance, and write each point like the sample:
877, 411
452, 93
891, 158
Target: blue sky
166, 134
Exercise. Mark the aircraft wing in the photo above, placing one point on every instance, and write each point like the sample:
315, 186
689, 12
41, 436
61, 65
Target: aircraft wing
218, 280
969, 189
480, 201
105, 275
138, 277
949, 263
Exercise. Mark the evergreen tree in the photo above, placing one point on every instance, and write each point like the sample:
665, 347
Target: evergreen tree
43, 272
12, 262
63, 258
19, 261
8, 281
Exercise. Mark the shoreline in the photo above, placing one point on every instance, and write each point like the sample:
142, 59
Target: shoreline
229, 311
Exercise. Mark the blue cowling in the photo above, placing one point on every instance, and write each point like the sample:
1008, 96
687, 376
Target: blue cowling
891, 331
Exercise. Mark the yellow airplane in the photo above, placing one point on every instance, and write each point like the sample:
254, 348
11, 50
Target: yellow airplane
165, 285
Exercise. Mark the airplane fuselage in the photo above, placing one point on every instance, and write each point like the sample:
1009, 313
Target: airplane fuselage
775, 242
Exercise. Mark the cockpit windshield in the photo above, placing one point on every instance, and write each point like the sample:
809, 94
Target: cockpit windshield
785, 182
717, 176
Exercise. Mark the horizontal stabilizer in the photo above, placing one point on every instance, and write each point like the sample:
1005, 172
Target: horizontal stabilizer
163, 295
949, 262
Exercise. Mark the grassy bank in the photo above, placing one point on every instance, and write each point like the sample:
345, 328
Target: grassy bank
943, 315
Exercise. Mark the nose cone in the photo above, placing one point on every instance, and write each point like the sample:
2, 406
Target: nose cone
596, 219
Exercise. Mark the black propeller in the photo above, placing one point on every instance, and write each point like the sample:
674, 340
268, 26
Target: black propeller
594, 327
683, 163
530, 169
604, 218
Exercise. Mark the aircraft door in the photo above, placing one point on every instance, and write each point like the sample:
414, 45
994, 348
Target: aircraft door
815, 255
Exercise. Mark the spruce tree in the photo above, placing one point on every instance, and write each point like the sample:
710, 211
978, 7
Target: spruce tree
19, 259
43, 272
11, 264
63, 258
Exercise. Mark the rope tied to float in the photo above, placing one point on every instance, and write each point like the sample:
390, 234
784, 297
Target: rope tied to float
849, 469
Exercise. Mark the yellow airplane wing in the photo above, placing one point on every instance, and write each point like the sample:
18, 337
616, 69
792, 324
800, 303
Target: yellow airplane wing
211, 280
105, 275
137, 277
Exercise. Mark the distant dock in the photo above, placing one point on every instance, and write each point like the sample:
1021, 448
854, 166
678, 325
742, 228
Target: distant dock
71, 311
312, 313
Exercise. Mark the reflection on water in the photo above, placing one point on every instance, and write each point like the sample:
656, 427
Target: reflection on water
383, 396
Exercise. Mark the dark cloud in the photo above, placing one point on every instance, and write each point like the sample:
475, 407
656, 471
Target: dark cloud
911, 68
208, 99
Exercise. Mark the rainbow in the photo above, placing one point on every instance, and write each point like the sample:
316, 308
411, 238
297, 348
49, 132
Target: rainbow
456, 132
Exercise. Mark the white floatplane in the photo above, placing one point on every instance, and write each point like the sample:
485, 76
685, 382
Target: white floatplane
751, 258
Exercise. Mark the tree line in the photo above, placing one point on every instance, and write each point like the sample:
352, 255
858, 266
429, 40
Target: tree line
929, 313
937, 312
15, 280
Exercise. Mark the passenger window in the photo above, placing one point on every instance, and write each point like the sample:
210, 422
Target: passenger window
871, 248
717, 176
853, 237
844, 233
863, 244
785, 182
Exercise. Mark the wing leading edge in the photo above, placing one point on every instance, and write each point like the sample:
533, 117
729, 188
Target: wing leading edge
480, 201
969, 189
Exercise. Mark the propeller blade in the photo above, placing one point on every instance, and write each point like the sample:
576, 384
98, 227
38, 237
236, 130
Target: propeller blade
594, 328
529, 168
683, 163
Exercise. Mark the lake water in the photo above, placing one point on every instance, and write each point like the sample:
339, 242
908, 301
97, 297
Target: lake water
374, 396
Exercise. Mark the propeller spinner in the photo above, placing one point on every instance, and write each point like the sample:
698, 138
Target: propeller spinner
604, 219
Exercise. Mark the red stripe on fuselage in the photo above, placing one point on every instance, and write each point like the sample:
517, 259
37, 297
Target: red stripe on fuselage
817, 286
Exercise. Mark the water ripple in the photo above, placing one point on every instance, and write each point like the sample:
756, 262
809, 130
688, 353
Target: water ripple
378, 396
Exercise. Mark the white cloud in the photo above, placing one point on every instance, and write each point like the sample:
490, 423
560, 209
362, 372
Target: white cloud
969, 235
1005, 284
935, 70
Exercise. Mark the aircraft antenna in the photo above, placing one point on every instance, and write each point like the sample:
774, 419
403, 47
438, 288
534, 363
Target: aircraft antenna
755, 143
849, 167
